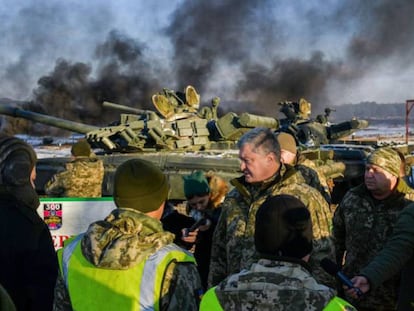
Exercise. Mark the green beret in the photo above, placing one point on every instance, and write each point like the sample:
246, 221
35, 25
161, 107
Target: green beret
195, 184
81, 148
387, 159
140, 185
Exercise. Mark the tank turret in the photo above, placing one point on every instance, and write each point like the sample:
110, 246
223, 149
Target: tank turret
180, 137
315, 132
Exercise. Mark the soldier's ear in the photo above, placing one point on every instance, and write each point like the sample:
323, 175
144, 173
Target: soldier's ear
271, 157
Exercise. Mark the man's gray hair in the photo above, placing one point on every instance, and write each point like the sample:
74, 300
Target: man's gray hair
263, 138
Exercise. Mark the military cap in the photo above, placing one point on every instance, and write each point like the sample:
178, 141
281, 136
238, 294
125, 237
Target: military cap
81, 148
387, 159
283, 228
287, 142
140, 185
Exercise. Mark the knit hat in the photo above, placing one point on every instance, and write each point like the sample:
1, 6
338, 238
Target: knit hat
195, 184
17, 160
81, 148
283, 228
287, 142
140, 185
387, 159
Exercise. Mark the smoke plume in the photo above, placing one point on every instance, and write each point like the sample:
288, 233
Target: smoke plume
69, 58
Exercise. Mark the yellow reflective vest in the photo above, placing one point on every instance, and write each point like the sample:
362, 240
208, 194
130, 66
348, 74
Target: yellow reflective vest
137, 288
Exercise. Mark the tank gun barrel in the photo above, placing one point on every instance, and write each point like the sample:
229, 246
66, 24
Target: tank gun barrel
339, 130
124, 108
45, 119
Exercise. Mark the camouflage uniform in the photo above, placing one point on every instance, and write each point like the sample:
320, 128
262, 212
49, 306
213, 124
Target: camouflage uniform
361, 226
233, 242
273, 285
125, 238
82, 178
313, 178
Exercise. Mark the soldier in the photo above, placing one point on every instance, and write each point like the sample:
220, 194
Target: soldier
289, 155
263, 175
28, 263
365, 219
83, 175
324, 119
281, 279
397, 255
127, 261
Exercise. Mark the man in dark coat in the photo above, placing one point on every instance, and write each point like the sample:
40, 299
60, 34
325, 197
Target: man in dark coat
28, 262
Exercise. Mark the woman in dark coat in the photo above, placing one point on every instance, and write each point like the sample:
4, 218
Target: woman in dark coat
204, 193
28, 262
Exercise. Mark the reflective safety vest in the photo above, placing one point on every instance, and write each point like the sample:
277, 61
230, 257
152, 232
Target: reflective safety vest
210, 302
137, 288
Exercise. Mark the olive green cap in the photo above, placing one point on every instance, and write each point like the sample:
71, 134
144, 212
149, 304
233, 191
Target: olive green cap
287, 142
81, 148
140, 185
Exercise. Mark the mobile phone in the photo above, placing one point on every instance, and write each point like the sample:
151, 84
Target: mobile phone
196, 225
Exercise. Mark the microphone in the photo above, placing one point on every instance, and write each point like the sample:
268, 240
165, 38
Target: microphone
330, 267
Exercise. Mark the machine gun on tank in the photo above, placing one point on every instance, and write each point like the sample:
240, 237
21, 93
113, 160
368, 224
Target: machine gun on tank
314, 133
180, 138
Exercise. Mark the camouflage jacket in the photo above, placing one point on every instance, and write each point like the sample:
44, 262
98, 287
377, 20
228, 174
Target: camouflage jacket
361, 226
397, 256
313, 179
233, 241
82, 178
273, 285
125, 238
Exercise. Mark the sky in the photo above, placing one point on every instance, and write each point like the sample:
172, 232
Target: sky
67, 57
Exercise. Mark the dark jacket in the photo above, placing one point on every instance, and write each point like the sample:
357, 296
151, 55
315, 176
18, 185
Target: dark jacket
397, 254
204, 241
28, 262
175, 222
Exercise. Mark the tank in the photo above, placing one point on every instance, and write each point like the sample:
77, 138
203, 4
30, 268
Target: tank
179, 137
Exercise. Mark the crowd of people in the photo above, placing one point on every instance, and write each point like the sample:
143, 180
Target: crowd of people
254, 244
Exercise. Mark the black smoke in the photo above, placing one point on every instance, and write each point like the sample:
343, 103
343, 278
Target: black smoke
123, 76
241, 51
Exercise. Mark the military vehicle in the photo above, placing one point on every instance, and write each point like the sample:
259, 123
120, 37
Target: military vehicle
180, 137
